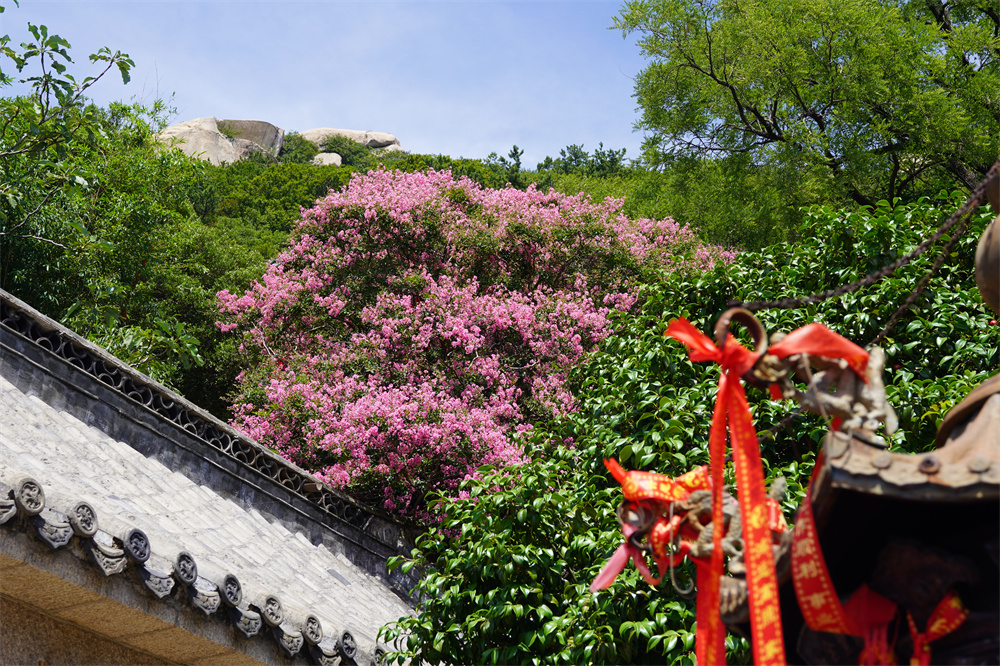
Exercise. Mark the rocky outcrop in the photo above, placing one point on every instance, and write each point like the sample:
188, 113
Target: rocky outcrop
203, 138
368, 139
265, 135
327, 158
228, 141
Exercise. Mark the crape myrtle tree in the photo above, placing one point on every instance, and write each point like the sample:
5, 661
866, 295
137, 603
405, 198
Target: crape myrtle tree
877, 99
416, 324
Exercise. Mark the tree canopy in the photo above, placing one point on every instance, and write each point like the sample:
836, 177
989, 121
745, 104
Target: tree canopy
879, 98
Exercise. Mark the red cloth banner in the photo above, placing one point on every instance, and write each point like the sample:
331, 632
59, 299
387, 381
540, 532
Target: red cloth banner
817, 598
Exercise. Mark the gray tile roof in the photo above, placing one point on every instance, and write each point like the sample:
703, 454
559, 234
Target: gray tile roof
231, 522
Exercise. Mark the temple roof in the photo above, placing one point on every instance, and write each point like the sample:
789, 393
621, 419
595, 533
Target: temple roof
122, 475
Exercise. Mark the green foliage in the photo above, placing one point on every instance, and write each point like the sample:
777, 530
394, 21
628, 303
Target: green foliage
266, 196
506, 572
194, 261
508, 168
228, 130
297, 150
573, 159
887, 99
489, 174
52, 116
730, 201
351, 152
38, 133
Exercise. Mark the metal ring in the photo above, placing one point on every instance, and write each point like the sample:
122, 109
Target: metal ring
749, 321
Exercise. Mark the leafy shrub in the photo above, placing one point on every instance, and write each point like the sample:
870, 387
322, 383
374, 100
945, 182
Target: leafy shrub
416, 323
507, 569
297, 150
266, 196
351, 152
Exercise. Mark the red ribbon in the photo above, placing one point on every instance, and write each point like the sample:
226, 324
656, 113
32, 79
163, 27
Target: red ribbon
814, 589
732, 414
946, 618
660, 490
651, 488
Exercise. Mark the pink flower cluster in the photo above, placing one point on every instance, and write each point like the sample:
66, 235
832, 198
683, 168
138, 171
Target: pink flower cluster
416, 324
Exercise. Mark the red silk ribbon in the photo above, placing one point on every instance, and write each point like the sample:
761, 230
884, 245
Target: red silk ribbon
732, 415
651, 488
657, 489
946, 618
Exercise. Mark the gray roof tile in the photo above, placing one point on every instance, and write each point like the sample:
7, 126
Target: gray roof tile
129, 490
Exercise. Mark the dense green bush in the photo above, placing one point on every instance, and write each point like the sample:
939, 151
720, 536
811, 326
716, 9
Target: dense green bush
506, 573
731, 202
352, 153
267, 196
297, 150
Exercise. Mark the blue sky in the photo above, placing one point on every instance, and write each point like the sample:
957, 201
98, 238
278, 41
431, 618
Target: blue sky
462, 78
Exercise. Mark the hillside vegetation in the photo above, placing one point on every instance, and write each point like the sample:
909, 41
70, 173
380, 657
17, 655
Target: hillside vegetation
460, 342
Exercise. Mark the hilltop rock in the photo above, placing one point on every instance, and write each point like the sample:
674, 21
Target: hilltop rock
202, 138
228, 141
265, 135
368, 139
327, 158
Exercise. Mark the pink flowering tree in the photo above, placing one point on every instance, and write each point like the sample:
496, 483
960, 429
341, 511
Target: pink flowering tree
417, 324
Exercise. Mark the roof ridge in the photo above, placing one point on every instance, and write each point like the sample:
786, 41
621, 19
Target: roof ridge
50, 335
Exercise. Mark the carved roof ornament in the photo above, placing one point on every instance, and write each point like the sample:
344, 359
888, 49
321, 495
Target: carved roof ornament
231, 590
29, 496
326, 653
347, 646
290, 640
312, 630
57, 534
159, 583
83, 518
205, 595
137, 545
109, 559
272, 611
185, 568
247, 621
8, 509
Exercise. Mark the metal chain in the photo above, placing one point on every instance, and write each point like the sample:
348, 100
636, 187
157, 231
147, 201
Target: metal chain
960, 215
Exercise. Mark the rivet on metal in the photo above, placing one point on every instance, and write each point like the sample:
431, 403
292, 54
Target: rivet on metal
882, 460
979, 464
929, 465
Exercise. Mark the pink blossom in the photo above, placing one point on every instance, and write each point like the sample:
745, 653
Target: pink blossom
417, 325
